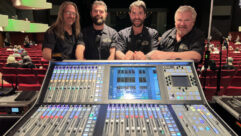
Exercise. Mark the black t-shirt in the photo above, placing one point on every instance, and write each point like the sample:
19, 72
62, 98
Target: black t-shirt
66, 47
27, 65
226, 66
193, 41
15, 65
99, 42
146, 41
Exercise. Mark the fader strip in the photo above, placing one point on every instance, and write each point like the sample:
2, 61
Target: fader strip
60, 120
139, 120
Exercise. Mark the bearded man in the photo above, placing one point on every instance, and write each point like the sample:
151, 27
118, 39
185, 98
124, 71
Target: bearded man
137, 40
63, 40
100, 39
184, 41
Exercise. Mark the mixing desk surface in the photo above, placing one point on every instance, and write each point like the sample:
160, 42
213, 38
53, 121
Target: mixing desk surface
121, 98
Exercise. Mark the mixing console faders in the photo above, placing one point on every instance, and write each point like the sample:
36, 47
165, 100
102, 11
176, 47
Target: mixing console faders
75, 84
198, 121
139, 120
53, 120
121, 98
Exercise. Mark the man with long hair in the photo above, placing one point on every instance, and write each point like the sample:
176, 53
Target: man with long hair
64, 39
137, 40
100, 39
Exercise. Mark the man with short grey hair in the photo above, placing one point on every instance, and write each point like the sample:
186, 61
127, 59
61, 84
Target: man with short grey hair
184, 41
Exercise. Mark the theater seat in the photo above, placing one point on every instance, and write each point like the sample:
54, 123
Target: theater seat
28, 82
210, 92
40, 78
234, 87
40, 71
29, 87
10, 78
9, 70
233, 91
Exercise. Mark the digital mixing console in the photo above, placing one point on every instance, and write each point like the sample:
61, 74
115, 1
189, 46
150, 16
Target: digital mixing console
121, 98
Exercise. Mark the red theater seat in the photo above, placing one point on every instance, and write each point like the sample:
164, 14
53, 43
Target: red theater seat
10, 78
228, 72
238, 72
234, 87
40, 78
28, 82
233, 91
210, 92
29, 87
9, 70
40, 71
25, 71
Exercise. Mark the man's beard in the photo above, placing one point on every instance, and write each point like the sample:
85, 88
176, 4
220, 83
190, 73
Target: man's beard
182, 32
98, 21
139, 25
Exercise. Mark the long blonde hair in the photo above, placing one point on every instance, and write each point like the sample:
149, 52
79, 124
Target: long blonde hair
58, 26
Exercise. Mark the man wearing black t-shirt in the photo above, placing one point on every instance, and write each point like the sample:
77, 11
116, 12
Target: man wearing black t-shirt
137, 40
182, 42
100, 39
63, 40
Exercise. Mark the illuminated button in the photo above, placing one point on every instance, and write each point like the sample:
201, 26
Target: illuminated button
201, 128
187, 97
178, 134
86, 133
89, 121
195, 128
171, 129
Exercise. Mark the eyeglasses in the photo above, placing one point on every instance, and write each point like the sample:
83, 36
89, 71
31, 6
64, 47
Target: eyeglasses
70, 13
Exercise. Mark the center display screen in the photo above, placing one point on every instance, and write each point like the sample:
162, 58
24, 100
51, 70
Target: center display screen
134, 83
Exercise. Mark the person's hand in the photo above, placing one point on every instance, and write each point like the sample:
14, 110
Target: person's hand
159, 55
138, 55
129, 55
110, 58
